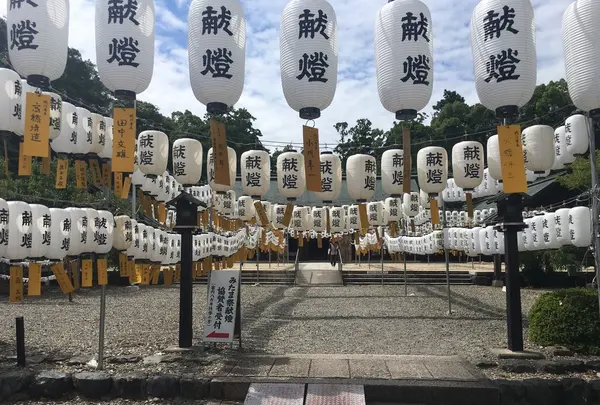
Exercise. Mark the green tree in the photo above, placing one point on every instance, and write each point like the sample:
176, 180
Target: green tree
361, 138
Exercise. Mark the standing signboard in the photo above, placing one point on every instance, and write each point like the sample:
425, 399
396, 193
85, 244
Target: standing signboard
223, 306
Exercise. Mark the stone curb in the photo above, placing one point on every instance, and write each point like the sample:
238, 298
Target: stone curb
560, 366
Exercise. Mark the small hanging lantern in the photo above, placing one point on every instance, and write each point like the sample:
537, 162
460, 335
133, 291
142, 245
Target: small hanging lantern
104, 225
4, 219
393, 209
353, 218
66, 142
187, 161
153, 152
493, 159
123, 233
217, 52
40, 231
392, 172
291, 178
210, 170
410, 204
106, 153
538, 148
361, 177
337, 219
375, 213
576, 135
432, 169
60, 234
256, 173
331, 177
98, 133
467, 164
319, 218
580, 227
84, 132
245, 206
19, 231
309, 56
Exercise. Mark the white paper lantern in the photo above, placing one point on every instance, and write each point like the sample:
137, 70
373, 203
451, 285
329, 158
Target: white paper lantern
331, 177
361, 177
256, 173
4, 219
245, 207
537, 232
309, 56
291, 177
432, 169
375, 213
11, 102
104, 225
300, 219
504, 54
580, 37
38, 33
319, 219
393, 209
210, 169
40, 231
125, 44
187, 161
493, 158
106, 153
392, 171
19, 231
217, 52
98, 133
55, 115
122, 233
133, 250
538, 147
467, 164
549, 232
78, 230
576, 135
404, 57
561, 223
410, 204
337, 219
227, 206
561, 156
353, 218
67, 141
153, 152
89, 242
267, 207
149, 243
278, 213
60, 234
580, 226
85, 139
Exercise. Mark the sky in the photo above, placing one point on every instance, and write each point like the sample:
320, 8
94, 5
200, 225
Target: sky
356, 95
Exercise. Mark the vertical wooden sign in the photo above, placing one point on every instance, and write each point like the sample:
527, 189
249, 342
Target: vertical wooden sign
34, 285
24, 162
16, 284
37, 125
512, 160
62, 170
312, 159
126, 188
102, 271
220, 155
80, 174
124, 127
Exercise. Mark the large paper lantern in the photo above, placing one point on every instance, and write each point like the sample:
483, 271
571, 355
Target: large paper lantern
467, 164
217, 52
538, 148
337, 219
256, 173
38, 33
432, 169
331, 177
40, 231
153, 152
493, 158
576, 134
187, 161
67, 141
210, 170
309, 56
580, 227
291, 177
60, 234
122, 233
125, 45
245, 207
319, 219
19, 231
392, 172
504, 54
361, 177
4, 219
404, 57
581, 36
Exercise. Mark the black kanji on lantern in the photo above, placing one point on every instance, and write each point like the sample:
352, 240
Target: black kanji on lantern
124, 51
46, 221
26, 241
289, 164
179, 152
326, 184
253, 179
494, 23
434, 176
212, 21
471, 153
17, 3
3, 216
121, 10
26, 218
313, 67
308, 25
290, 181
253, 162
22, 35
217, 62
502, 67
472, 170
413, 27
397, 160
417, 69
397, 178
370, 183
370, 166
434, 159
326, 167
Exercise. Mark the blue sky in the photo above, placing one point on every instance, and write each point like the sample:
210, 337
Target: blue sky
356, 95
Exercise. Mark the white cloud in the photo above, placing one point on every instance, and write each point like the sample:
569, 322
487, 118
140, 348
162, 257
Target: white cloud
356, 97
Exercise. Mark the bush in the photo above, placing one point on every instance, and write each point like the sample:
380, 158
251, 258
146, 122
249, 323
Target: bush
567, 318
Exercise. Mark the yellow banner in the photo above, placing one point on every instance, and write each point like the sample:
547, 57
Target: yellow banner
80, 174
37, 125
24, 162
87, 275
61, 277
123, 140
34, 286
16, 284
512, 160
102, 271
62, 168
312, 159
364, 218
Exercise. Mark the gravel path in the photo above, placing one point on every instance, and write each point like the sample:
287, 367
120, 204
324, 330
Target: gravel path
278, 320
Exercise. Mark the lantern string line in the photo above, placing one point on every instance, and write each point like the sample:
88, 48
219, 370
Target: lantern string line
283, 144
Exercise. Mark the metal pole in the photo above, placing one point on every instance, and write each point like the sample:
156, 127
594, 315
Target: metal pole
595, 207
20, 329
498, 271
369, 256
100, 365
258, 262
186, 289
405, 281
382, 238
447, 258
